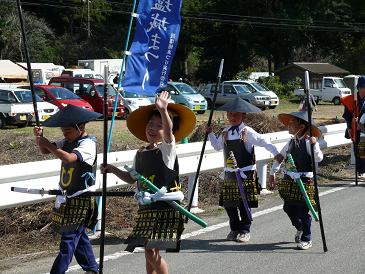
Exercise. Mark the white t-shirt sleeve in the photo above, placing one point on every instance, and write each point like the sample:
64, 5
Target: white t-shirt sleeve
168, 151
86, 151
362, 119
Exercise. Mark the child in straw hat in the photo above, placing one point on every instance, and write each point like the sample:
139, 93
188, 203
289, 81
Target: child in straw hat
158, 226
300, 149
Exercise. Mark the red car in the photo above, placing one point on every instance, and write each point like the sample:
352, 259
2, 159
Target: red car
91, 90
60, 96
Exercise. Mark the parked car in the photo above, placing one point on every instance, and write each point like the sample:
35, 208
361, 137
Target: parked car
92, 91
332, 89
257, 87
185, 95
45, 109
59, 96
16, 107
12, 112
229, 91
132, 101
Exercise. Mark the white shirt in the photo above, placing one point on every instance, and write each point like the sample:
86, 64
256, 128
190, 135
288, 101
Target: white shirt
253, 139
318, 155
86, 151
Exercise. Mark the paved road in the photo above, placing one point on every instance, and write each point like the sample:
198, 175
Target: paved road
271, 249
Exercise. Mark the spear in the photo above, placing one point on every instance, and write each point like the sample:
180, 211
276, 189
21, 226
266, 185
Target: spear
206, 135
30, 74
354, 132
105, 161
309, 104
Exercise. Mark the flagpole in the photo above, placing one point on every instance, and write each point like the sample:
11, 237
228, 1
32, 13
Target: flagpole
105, 161
121, 72
309, 104
206, 134
30, 74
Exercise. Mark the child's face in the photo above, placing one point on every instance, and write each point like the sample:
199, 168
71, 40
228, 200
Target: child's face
71, 133
235, 118
294, 126
154, 130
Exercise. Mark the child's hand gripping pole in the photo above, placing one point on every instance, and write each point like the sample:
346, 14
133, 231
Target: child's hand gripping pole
291, 167
173, 204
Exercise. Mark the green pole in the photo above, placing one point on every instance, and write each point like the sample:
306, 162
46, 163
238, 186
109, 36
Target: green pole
173, 204
291, 167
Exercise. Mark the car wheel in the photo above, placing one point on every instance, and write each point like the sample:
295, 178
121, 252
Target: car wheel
272, 107
2, 122
336, 101
201, 111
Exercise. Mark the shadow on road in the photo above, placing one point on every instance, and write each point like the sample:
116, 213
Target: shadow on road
220, 245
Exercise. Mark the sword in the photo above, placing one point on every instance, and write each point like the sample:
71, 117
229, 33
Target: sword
241, 188
42, 192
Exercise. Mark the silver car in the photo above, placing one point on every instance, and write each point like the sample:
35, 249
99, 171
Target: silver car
229, 91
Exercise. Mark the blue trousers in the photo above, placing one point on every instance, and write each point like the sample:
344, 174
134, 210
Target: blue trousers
300, 219
75, 243
243, 224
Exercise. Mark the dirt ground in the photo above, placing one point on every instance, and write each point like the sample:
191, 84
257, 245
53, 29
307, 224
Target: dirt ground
25, 232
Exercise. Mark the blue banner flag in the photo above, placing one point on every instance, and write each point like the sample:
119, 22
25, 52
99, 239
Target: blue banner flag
153, 47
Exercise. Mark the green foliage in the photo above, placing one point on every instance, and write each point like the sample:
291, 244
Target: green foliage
282, 90
244, 74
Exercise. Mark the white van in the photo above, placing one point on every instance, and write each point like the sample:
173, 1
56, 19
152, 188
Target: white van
82, 73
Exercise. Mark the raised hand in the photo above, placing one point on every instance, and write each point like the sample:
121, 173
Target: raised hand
162, 100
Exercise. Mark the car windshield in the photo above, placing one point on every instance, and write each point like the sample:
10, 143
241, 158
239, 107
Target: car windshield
340, 83
25, 96
241, 88
100, 90
128, 94
260, 87
62, 93
185, 89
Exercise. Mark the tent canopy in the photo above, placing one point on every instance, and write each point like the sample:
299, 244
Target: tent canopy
10, 70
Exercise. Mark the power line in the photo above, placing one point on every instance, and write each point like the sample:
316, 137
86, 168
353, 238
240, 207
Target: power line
255, 21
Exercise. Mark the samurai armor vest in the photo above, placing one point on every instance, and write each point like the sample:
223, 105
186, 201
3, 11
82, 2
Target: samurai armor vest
71, 178
74, 212
79, 210
230, 194
157, 225
288, 188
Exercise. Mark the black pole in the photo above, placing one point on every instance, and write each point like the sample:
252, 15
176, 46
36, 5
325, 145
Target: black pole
354, 132
105, 161
206, 135
30, 74
309, 104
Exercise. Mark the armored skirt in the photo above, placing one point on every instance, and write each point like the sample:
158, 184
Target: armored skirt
230, 194
74, 212
290, 192
157, 225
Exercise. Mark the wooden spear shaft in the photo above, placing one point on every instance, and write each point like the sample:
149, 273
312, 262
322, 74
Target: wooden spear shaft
206, 135
309, 104
30, 74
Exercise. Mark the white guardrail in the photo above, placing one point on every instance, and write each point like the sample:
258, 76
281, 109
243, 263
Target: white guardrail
45, 174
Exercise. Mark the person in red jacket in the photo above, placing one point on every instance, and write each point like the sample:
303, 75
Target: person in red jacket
351, 115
